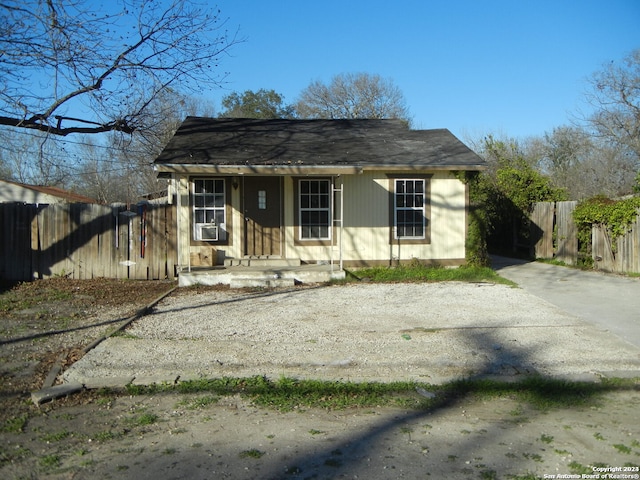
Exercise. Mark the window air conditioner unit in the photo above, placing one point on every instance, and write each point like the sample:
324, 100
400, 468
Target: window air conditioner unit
206, 231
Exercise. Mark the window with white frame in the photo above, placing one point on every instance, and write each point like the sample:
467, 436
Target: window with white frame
314, 200
409, 214
209, 222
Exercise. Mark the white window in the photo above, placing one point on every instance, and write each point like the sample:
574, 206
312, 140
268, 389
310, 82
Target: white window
209, 222
409, 215
314, 209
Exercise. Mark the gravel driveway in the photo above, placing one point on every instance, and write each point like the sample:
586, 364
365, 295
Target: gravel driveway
375, 332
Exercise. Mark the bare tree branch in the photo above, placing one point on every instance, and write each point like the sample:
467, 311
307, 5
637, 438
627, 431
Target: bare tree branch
615, 94
67, 68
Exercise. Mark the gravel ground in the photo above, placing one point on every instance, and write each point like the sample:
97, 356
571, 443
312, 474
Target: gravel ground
429, 332
377, 332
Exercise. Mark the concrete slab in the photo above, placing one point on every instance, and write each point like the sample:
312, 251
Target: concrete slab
609, 302
57, 391
261, 282
260, 276
165, 377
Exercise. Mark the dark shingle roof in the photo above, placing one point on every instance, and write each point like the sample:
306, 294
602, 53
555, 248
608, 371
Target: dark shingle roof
313, 143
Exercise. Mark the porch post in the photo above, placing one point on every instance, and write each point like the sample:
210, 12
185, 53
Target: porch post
338, 221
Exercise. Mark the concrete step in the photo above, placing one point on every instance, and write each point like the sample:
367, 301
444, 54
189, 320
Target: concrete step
260, 281
262, 262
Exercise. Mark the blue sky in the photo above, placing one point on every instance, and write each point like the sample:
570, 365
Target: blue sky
516, 68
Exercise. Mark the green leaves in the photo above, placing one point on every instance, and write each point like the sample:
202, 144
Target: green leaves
615, 214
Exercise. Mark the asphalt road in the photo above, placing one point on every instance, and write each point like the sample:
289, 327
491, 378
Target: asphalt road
610, 302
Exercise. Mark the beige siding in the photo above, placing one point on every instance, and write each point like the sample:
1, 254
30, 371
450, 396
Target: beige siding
16, 193
448, 218
367, 231
367, 219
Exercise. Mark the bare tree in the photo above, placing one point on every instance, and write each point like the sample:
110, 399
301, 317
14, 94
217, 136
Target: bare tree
353, 95
31, 158
582, 163
120, 169
615, 94
68, 67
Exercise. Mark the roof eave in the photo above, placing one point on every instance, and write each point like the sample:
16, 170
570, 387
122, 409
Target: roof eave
199, 169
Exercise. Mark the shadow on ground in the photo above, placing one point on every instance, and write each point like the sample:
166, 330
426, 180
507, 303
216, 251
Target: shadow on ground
505, 422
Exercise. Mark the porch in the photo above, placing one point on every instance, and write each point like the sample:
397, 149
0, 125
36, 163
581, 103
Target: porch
260, 272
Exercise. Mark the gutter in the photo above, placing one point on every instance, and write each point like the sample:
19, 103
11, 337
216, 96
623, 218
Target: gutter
304, 169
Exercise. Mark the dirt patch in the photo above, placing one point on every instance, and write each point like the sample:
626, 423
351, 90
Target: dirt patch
201, 436
205, 436
52, 321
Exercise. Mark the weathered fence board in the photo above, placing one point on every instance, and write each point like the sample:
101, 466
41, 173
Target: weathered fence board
567, 234
621, 255
86, 241
542, 229
542, 217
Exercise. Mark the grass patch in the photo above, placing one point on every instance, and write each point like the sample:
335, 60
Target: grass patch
546, 438
144, 419
622, 448
287, 394
124, 334
15, 424
579, 469
107, 435
13, 301
422, 273
199, 402
253, 453
50, 461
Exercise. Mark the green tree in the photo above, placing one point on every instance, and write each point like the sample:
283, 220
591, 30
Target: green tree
260, 104
509, 189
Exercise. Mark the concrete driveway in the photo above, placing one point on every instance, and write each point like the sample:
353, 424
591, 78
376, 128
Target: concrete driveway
609, 302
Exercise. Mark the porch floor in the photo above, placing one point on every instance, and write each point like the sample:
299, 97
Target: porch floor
240, 276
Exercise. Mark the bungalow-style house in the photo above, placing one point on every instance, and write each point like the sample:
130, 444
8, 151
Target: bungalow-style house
12, 192
335, 192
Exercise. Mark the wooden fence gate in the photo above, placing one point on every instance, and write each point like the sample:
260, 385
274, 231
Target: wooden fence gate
84, 241
549, 218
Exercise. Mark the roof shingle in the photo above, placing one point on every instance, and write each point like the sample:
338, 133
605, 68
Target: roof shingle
358, 143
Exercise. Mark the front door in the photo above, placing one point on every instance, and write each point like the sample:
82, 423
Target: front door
262, 216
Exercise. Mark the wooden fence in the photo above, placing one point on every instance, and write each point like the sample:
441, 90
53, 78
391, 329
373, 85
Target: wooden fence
554, 234
621, 255
84, 241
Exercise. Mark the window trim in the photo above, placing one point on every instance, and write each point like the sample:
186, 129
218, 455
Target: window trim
223, 231
393, 236
298, 239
